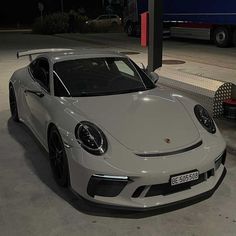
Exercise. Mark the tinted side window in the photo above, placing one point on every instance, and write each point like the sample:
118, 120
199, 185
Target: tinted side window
40, 71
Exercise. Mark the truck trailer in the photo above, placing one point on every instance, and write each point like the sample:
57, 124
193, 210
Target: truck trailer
203, 19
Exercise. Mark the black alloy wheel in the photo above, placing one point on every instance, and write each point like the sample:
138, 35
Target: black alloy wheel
58, 158
13, 104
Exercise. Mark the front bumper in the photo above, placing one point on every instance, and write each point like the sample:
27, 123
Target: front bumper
126, 196
169, 206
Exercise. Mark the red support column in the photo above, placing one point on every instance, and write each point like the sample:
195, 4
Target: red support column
144, 29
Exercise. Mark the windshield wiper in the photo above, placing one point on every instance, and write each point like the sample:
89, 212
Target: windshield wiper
90, 94
130, 90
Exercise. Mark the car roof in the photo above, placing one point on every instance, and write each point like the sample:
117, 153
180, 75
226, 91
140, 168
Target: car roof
79, 54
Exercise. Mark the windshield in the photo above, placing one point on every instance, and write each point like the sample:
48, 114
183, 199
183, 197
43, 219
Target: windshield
99, 76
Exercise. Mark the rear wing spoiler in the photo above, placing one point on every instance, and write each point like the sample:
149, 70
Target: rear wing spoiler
40, 51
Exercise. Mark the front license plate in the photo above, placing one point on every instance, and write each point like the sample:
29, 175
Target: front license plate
180, 179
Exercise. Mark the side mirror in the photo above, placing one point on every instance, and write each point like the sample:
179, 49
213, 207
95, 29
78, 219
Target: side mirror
154, 77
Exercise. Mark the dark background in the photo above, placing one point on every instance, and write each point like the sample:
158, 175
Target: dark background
23, 12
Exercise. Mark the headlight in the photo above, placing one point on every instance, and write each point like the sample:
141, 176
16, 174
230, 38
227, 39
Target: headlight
205, 119
91, 138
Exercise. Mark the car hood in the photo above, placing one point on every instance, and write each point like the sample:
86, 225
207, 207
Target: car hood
144, 122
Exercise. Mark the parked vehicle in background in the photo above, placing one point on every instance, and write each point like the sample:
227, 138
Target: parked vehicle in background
204, 19
105, 20
132, 11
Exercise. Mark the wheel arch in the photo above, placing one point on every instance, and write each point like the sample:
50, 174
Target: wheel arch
65, 135
13, 83
13, 99
49, 127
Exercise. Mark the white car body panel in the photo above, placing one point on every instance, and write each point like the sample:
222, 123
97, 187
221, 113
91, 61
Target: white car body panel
134, 123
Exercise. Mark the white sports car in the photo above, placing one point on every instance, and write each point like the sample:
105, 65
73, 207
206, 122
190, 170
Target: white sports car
113, 135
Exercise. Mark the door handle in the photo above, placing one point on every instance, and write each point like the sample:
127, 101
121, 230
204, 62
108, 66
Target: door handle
37, 93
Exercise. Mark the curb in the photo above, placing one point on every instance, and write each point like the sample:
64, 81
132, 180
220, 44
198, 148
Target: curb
15, 30
70, 37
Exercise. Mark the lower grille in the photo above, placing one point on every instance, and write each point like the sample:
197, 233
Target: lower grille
105, 187
167, 189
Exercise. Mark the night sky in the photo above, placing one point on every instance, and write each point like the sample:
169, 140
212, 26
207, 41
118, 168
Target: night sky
25, 11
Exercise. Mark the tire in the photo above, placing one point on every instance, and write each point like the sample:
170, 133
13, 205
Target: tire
234, 37
58, 158
13, 104
222, 37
